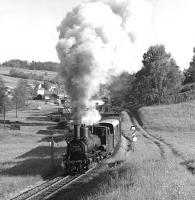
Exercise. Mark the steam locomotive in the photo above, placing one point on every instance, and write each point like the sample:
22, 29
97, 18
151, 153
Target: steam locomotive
91, 144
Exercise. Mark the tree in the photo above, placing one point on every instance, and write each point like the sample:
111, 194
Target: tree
21, 94
35, 88
2, 95
46, 85
190, 72
158, 77
120, 88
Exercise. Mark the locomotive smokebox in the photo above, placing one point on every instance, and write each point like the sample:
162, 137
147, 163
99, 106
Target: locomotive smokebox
77, 131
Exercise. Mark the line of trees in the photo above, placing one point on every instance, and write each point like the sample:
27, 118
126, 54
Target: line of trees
190, 72
3, 97
159, 81
19, 96
49, 66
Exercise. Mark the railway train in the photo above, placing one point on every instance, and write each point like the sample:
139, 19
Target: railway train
91, 144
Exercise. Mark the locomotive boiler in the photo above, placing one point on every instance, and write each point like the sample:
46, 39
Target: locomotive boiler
91, 144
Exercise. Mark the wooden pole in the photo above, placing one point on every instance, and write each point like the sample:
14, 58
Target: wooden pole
4, 113
16, 107
52, 146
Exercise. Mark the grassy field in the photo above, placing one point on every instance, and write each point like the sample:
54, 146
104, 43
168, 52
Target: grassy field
144, 174
175, 124
25, 153
12, 81
158, 169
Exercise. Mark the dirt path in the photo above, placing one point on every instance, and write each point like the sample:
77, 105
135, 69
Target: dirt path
166, 149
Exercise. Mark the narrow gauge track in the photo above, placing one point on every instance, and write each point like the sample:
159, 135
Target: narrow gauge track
37, 189
49, 188
81, 144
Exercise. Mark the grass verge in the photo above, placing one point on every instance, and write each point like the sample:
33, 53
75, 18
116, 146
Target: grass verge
144, 174
25, 153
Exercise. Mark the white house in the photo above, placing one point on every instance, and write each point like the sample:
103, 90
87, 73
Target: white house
41, 91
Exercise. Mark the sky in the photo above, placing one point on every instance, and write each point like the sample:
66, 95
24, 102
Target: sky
28, 28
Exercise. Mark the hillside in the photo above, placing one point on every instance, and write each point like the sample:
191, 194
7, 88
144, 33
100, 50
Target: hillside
175, 125
12, 81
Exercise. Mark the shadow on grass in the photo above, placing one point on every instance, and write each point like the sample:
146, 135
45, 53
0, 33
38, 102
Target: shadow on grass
93, 183
38, 118
45, 132
41, 152
36, 124
27, 123
37, 162
56, 138
33, 167
51, 131
51, 127
57, 134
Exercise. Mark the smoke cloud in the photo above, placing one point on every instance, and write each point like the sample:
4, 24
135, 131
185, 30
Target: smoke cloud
99, 39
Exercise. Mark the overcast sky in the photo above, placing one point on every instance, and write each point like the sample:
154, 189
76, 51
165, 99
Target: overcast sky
28, 28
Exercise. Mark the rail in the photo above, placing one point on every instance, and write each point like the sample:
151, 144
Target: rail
48, 189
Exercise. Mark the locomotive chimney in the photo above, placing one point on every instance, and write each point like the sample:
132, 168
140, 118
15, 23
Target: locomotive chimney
84, 132
77, 131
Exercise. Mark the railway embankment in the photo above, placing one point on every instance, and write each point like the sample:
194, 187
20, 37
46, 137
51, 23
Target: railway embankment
152, 171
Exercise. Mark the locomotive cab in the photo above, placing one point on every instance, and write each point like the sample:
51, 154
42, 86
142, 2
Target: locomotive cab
113, 138
101, 132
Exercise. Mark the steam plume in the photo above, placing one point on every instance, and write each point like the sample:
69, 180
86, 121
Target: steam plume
98, 39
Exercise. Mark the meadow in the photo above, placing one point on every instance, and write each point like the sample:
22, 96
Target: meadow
176, 125
25, 153
158, 169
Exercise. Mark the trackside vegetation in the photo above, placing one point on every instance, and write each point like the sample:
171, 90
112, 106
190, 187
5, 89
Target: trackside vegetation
147, 175
159, 81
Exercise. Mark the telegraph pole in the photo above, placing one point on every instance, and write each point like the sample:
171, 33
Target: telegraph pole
16, 106
52, 147
4, 113
4, 108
